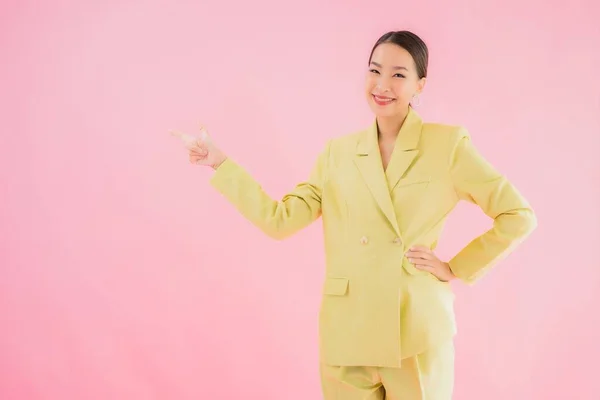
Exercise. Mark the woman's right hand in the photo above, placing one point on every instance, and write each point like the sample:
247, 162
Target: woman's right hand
202, 150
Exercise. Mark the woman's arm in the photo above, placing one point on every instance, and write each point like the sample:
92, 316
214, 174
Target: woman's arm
277, 218
476, 181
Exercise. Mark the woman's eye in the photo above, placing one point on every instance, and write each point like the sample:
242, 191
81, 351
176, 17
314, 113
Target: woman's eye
374, 71
400, 75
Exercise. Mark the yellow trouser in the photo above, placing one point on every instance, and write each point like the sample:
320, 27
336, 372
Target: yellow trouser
426, 376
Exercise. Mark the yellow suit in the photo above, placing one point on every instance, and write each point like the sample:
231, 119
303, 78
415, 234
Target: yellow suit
377, 308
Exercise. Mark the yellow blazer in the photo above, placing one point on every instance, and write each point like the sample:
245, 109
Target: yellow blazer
377, 308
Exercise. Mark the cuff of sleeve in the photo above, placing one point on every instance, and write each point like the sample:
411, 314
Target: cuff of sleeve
222, 173
466, 275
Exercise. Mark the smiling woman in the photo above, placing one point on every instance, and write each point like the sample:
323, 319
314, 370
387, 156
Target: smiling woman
387, 314
396, 77
397, 72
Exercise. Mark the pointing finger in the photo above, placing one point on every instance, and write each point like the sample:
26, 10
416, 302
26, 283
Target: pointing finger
189, 141
183, 136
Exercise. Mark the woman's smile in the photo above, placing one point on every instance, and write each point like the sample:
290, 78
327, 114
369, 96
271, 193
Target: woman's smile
383, 100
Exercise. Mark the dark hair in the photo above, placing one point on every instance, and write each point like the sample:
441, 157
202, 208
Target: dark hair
411, 43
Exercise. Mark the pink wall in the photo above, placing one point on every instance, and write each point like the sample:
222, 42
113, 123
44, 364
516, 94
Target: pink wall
123, 275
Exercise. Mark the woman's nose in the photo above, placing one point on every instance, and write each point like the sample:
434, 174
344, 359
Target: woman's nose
382, 84
383, 87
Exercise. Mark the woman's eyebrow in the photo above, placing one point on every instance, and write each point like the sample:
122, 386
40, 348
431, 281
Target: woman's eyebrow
394, 67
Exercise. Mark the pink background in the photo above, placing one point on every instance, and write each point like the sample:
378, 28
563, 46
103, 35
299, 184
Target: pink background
123, 275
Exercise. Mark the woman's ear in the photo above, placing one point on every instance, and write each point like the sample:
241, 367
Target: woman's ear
421, 85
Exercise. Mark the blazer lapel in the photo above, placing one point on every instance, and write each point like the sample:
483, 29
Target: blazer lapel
369, 163
368, 160
405, 149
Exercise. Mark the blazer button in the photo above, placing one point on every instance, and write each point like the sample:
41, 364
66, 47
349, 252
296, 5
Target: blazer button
364, 240
397, 241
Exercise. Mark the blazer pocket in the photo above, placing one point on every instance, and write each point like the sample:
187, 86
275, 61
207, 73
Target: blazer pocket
417, 181
335, 286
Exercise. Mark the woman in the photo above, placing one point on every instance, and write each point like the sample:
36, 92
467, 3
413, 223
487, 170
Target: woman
386, 320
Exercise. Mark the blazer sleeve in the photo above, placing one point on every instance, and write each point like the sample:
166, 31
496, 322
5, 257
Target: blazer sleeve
278, 218
475, 180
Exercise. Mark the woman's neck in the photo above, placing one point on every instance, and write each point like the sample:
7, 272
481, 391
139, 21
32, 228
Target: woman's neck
388, 127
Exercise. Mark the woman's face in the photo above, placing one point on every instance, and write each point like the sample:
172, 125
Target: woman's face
392, 80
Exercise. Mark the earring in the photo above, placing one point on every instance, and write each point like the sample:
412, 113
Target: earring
418, 100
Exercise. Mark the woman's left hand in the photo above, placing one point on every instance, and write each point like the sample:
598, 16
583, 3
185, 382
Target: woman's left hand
424, 259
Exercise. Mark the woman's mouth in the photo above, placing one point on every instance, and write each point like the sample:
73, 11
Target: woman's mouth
382, 100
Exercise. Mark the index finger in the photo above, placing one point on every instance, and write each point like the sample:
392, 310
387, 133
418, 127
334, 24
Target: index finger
184, 137
189, 140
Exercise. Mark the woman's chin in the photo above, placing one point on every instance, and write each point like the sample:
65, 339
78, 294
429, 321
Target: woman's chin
385, 111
